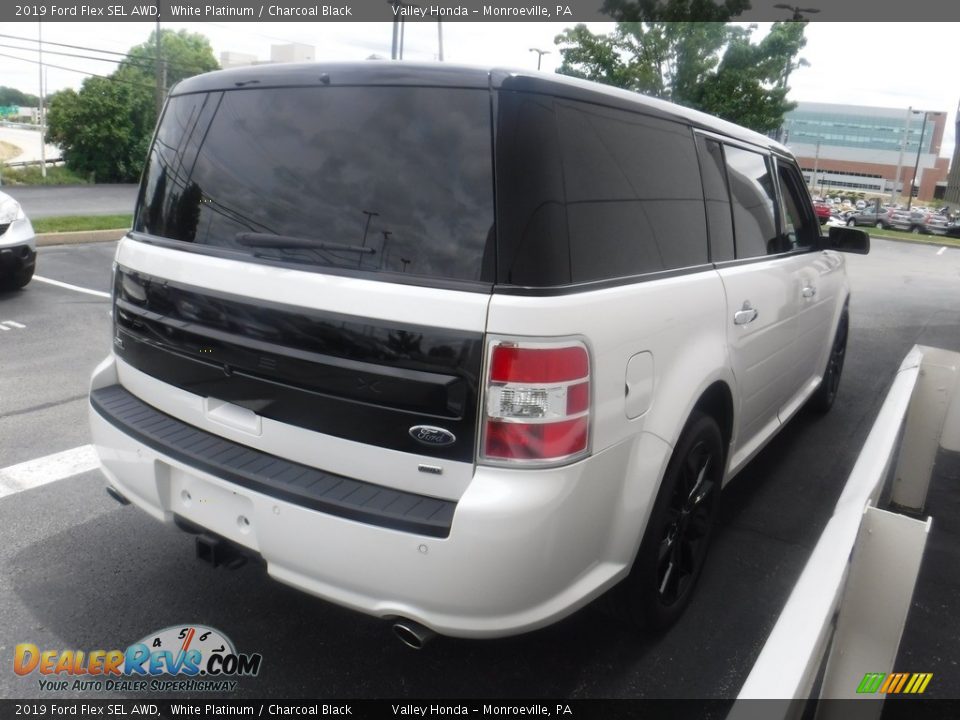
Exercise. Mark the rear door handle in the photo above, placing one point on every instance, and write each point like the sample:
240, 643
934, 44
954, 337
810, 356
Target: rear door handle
745, 315
809, 291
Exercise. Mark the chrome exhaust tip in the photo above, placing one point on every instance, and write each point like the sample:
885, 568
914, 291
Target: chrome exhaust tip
412, 634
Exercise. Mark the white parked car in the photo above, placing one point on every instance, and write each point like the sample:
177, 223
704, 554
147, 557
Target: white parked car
18, 246
462, 349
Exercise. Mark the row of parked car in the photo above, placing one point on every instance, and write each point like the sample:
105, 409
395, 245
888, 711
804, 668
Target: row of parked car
915, 220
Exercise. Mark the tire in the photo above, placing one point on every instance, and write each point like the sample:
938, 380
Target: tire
17, 278
825, 395
851, 223
915, 229
668, 563
880, 225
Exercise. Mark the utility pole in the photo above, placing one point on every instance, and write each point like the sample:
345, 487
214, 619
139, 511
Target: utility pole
383, 248
43, 134
440, 40
159, 71
895, 193
366, 228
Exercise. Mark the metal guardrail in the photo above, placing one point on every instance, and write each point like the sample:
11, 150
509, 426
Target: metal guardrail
19, 125
845, 616
25, 163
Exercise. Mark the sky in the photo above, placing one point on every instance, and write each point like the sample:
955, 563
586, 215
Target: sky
892, 65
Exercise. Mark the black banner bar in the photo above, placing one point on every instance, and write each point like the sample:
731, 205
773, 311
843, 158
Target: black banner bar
561, 11
405, 709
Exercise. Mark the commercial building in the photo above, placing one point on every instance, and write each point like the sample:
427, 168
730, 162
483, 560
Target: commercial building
291, 52
951, 196
866, 149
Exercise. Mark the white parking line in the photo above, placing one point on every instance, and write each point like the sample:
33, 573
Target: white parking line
942, 250
76, 288
12, 324
51, 468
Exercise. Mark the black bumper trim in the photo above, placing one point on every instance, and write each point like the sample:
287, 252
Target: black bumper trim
264, 473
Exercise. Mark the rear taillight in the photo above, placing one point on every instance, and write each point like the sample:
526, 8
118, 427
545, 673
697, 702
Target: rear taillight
537, 401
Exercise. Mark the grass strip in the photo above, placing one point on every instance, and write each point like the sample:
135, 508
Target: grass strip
74, 223
936, 240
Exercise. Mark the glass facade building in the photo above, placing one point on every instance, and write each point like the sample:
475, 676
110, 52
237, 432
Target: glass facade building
866, 149
883, 131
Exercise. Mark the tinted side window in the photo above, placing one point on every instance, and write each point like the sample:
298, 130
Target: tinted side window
633, 192
532, 242
753, 196
800, 224
716, 198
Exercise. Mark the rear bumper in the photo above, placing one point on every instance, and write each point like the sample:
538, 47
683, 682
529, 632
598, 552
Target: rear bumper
524, 548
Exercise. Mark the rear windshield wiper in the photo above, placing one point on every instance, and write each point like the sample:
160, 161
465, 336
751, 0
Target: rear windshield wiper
289, 242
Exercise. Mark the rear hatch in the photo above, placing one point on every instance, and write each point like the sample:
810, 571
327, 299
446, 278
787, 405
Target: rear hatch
319, 253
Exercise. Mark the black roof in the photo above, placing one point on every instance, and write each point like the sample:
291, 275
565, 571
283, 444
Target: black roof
387, 72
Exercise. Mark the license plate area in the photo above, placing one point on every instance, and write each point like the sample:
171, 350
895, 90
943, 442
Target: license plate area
226, 512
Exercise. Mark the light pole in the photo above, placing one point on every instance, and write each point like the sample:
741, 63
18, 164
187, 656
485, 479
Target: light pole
797, 11
396, 5
540, 53
916, 165
816, 165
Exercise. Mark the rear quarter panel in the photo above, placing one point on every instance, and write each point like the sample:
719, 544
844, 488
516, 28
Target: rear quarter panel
680, 322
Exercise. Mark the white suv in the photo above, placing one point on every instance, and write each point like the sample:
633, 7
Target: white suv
463, 349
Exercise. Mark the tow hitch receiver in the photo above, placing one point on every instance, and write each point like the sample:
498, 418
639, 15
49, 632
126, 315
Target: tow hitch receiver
218, 552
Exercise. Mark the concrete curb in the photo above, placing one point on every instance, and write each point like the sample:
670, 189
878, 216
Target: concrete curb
81, 236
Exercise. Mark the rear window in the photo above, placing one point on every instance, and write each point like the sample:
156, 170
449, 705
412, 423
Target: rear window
376, 179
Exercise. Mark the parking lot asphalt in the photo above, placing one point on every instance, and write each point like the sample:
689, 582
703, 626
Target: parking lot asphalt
83, 572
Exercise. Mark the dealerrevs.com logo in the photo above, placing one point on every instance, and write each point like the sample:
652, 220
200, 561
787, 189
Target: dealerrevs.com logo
180, 658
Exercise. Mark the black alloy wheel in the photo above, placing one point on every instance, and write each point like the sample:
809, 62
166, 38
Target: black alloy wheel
675, 543
683, 540
825, 395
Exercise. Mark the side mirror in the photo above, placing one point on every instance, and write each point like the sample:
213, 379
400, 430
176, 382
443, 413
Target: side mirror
846, 239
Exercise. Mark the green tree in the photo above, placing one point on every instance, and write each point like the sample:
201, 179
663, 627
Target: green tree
12, 96
709, 66
105, 128
183, 54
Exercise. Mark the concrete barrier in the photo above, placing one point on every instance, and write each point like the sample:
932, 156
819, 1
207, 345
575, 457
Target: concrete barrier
846, 614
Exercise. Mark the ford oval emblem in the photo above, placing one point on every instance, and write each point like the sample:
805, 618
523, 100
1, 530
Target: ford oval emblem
430, 435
